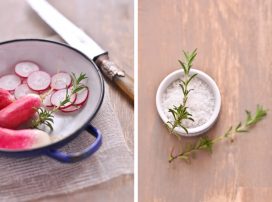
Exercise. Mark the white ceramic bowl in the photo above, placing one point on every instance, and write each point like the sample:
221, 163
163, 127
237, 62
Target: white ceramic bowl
168, 80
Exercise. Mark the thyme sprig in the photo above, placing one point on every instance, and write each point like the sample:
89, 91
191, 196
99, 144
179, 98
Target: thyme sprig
45, 116
180, 113
206, 143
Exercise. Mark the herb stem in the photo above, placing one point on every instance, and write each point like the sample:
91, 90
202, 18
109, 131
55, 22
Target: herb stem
180, 112
206, 143
46, 116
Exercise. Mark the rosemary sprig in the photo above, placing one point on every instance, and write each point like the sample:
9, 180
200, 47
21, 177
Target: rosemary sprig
76, 81
46, 116
76, 87
180, 112
206, 143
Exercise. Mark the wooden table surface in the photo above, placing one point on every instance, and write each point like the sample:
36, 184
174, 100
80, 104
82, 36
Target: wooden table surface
110, 23
234, 41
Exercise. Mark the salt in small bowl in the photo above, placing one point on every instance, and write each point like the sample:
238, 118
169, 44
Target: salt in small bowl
178, 74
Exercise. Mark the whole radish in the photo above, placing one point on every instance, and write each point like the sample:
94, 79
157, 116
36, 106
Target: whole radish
22, 139
20, 111
5, 98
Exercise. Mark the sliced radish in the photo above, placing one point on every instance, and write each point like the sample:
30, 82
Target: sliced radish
47, 99
71, 108
61, 80
24, 69
10, 82
23, 90
82, 96
59, 96
39, 80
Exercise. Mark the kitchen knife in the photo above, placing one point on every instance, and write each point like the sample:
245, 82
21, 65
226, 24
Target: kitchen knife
75, 37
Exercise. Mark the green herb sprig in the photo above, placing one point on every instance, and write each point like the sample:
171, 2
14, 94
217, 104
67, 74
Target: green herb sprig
180, 113
45, 116
206, 143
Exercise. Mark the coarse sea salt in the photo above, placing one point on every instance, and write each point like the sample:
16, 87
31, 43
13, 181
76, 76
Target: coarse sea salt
201, 101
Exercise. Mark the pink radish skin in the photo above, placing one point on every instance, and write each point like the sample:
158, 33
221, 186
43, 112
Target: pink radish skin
24, 81
71, 108
22, 90
82, 96
38, 81
22, 139
60, 81
5, 98
20, 111
59, 96
24, 69
10, 82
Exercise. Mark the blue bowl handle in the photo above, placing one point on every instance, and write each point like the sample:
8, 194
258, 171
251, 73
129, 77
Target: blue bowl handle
78, 156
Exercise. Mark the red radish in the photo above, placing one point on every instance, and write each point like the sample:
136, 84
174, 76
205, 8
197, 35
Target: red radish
23, 90
39, 80
24, 81
82, 96
24, 69
10, 82
22, 139
71, 108
42, 92
5, 98
59, 96
47, 99
20, 111
61, 80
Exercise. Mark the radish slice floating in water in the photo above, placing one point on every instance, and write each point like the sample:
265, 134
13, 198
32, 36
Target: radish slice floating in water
71, 108
47, 100
60, 95
60, 81
39, 80
22, 90
82, 96
10, 82
24, 69
23, 139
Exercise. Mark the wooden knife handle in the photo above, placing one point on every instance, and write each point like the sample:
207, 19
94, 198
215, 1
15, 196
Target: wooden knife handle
113, 72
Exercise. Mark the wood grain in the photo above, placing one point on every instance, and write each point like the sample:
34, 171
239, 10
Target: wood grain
113, 30
234, 46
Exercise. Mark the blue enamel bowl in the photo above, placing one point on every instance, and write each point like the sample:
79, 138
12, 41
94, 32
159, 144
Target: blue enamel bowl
52, 57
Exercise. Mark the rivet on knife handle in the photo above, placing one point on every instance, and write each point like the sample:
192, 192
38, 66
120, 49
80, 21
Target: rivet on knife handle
119, 77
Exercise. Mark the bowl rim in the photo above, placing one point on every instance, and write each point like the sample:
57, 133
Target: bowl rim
170, 78
70, 137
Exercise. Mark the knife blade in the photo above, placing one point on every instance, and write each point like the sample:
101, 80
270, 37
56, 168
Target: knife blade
78, 39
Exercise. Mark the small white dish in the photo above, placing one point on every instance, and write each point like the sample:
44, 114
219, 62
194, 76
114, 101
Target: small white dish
168, 80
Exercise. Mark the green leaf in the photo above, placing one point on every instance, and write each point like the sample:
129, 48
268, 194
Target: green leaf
182, 87
184, 128
183, 67
193, 76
